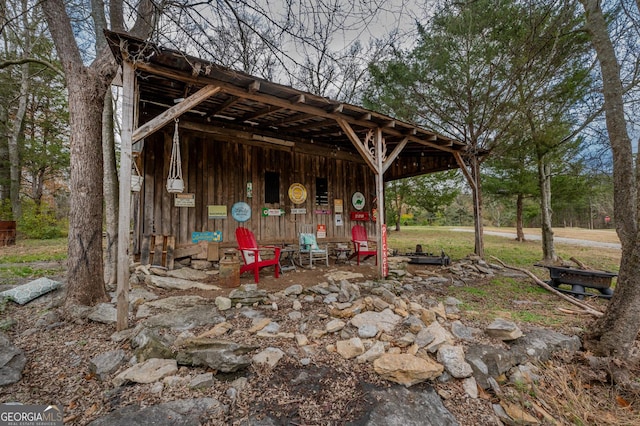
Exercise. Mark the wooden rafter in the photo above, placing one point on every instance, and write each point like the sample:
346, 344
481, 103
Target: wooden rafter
226, 104
264, 111
355, 140
394, 154
174, 112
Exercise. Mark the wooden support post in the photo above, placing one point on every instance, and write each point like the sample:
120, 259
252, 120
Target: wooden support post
124, 217
380, 197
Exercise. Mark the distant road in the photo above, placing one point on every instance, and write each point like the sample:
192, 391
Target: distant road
563, 240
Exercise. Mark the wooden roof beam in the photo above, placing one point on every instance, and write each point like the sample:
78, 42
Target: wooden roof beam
274, 100
226, 104
294, 118
312, 125
355, 140
265, 111
174, 112
394, 154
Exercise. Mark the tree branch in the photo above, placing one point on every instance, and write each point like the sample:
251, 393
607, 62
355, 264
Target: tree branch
588, 309
8, 63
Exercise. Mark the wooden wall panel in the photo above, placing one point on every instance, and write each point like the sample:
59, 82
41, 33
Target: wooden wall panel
217, 173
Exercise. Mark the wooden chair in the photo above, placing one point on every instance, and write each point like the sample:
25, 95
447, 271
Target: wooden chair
361, 244
308, 247
251, 254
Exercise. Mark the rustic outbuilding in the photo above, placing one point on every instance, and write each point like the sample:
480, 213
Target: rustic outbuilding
290, 156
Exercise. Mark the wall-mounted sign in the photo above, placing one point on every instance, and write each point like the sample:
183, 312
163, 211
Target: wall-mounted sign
249, 189
338, 219
297, 193
357, 199
272, 212
241, 211
215, 237
217, 212
185, 200
337, 204
360, 216
299, 211
322, 231
322, 211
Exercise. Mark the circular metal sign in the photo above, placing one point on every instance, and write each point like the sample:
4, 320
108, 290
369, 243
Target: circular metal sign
297, 193
357, 199
241, 211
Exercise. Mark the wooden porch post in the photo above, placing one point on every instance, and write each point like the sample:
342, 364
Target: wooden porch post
124, 217
379, 171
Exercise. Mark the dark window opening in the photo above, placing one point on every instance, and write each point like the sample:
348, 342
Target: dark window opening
322, 191
271, 187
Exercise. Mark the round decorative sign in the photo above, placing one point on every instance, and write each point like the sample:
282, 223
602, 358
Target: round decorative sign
297, 193
357, 199
241, 211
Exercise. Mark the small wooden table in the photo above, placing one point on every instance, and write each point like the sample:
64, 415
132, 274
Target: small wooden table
287, 255
342, 254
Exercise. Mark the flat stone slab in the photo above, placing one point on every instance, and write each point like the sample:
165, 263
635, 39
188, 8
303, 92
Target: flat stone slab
343, 275
177, 283
180, 412
399, 406
12, 361
385, 320
188, 274
149, 371
171, 303
187, 318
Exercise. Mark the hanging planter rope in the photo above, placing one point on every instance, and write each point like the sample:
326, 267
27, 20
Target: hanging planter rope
136, 178
174, 180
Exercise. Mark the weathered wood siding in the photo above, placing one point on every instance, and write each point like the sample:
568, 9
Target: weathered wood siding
217, 172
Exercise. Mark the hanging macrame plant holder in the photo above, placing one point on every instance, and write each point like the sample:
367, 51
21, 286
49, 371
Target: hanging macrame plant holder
175, 183
136, 178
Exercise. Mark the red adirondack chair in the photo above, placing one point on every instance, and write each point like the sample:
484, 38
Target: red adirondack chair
251, 254
361, 246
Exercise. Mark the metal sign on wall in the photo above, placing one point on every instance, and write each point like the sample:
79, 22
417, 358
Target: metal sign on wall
185, 200
217, 212
272, 212
360, 216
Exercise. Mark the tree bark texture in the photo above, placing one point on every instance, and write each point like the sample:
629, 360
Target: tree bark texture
519, 220
476, 191
544, 183
14, 139
110, 190
86, 88
5, 176
615, 333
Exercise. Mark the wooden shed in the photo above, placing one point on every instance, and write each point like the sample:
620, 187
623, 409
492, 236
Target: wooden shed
243, 139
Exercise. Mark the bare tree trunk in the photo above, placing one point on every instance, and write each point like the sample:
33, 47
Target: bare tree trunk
16, 131
544, 183
476, 191
5, 176
519, 221
110, 190
85, 280
616, 332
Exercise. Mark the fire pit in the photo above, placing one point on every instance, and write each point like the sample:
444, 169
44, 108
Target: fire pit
423, 258
578, 279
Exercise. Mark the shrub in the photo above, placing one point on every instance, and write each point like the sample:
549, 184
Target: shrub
39, 222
